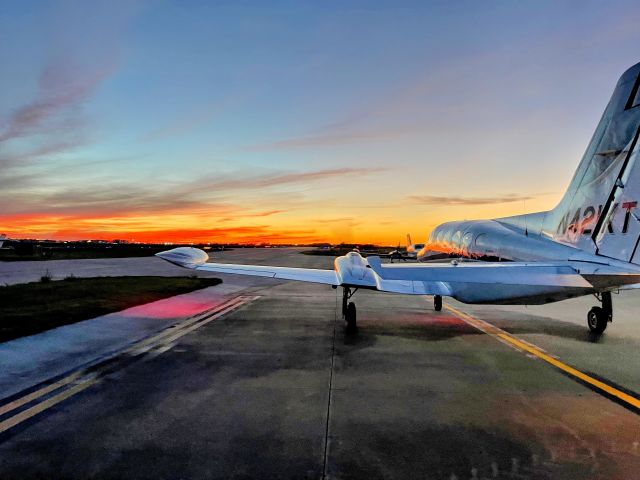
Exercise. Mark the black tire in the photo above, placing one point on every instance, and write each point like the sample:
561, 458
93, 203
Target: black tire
437, 303
350, 318
597, 320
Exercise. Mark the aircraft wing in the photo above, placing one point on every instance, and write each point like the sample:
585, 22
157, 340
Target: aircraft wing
471, 282
196, 259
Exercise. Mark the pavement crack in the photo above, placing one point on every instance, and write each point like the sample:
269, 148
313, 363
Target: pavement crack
326, 427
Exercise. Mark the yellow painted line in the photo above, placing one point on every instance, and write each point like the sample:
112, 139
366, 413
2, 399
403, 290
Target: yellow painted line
190, 321
148, 343
38, 393
164, 339
574, 372
190, 329
41, 407
539, 353
74, 376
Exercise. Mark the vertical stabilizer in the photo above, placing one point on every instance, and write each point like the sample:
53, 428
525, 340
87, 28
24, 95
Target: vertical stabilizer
598, 211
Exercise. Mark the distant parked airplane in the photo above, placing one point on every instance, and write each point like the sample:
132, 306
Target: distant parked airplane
410, 252
586, 245
413, 248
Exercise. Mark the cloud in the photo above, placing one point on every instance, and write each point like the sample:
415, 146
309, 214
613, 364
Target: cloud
108, 198
48, 149
51, 124
339, 222
164, 211
457, 201
61, 88
333, 137
81, 48
251, 215
17, 180
199, 195
279, 179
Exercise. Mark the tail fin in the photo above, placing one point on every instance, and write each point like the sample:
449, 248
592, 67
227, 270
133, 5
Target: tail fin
599, 213
3, 237
409, 242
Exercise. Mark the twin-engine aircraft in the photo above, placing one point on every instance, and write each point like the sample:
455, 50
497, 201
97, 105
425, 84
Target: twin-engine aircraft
586, 245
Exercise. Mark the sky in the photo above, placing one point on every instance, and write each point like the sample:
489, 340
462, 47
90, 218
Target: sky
296, 121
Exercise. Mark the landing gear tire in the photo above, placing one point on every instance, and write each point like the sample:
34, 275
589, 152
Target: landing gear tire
597, 320
599, 317
437, 303
350, 318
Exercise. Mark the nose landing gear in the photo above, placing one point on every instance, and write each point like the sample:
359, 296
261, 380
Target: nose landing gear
349, 310
599, 317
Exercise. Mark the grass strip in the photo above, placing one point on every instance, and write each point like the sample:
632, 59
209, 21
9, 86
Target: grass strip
29, 308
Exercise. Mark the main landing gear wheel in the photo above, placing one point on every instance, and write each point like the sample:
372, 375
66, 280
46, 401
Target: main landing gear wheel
437, 303
350, 318
597, 320
599, 317
349, 310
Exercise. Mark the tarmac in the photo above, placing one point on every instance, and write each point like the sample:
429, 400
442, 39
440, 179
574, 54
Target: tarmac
256, 378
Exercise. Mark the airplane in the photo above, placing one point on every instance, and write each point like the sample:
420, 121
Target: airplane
396, 254
410, 253
586, 245
413, 248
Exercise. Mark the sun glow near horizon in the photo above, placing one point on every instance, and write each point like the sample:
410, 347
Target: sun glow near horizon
274, 227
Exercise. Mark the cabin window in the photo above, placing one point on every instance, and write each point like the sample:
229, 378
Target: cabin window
482, 241
455, 239
466, 241
634, 98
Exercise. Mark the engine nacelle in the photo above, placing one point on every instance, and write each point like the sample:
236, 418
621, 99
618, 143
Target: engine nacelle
188, 257
353, 270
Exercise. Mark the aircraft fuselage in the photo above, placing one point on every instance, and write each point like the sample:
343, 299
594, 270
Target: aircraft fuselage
501, 239
482, 239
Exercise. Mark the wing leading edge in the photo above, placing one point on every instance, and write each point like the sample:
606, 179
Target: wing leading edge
327, 277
